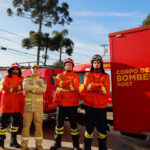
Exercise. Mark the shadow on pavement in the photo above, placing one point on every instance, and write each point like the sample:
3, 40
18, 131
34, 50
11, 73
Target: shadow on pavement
62, 148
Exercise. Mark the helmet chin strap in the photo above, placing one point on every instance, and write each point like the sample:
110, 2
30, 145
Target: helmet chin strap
68, 70
96, 68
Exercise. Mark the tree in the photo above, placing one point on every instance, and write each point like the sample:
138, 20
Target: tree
146, 21
36, 39
46, 43
58, 64
61, 44
42, 12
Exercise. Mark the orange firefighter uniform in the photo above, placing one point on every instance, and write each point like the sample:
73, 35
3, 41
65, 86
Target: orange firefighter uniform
11, 104
66, 98
97, 85
67, 84
34, 87
12, 96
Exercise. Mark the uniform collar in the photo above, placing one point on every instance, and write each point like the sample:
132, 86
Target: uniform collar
97, 71
35, 77
68, 73
14, 75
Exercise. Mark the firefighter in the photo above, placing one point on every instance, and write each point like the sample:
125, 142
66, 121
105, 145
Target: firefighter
97, 85
34, 87
11, 100
66, 99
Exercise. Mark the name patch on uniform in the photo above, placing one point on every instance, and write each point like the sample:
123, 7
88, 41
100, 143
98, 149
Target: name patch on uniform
38, 82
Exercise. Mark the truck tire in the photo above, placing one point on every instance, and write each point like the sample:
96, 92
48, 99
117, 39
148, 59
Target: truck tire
137, 136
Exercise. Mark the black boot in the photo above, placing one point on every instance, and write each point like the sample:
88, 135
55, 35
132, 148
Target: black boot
2, 138
75, 139
57, 143
13, 141
87, 143
102, 144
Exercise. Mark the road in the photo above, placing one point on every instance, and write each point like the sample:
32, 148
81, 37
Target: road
115, 140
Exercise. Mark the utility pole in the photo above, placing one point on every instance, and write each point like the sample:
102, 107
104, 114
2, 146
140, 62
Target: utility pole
105, 49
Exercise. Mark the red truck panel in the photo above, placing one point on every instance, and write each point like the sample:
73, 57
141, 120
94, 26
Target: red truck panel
130, 69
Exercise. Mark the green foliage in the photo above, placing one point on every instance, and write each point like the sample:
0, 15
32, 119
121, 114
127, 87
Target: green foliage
9, 12
146, 21
42, 12
35, 39
58, 64
38, 39
61, 44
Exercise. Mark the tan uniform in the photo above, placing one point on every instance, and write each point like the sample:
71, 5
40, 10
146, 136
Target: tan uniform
33, 108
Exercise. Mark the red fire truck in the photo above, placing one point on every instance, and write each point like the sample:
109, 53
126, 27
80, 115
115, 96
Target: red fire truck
48, 73
130, 72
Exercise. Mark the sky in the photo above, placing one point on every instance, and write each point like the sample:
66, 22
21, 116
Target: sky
93, 20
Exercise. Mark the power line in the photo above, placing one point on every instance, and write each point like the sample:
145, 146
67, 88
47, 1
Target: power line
14, 50
12, 33
34, 48
10, 40
18, 53
6, 48
19, 43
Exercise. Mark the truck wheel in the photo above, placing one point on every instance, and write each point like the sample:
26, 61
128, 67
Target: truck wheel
137, 136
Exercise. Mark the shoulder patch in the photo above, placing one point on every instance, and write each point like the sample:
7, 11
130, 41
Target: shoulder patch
42, 79
28, 77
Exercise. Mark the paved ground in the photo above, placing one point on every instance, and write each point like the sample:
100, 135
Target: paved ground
115, 140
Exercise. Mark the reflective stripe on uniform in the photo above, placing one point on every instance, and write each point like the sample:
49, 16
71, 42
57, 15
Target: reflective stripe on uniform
14, 129
61, 89
60, 83
30, 78
25, 138
19, 87
56, 128
36, 86
39, 99
39, 138
81, 88
11, 89
74, 131
89, 86
3, 131
101, 136
33, 91
87, 135
71, 87
104, 90
27, 99
59, 130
